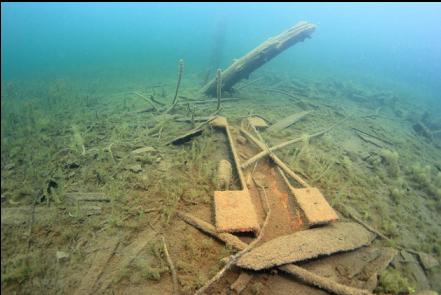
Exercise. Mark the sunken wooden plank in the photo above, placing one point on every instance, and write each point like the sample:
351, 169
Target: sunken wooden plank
314, 205
288, 121
307, 244
243, 67
234, 212
187, 136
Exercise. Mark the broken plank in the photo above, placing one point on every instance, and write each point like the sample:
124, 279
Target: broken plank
288, 121
307, 244
186, 137
314, 205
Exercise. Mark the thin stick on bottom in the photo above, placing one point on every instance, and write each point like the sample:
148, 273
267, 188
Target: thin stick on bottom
172, 268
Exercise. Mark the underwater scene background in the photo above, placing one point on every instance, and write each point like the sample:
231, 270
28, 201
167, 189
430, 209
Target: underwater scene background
95, 173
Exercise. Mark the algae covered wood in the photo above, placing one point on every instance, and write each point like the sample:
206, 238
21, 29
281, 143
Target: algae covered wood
243, 67
307, 244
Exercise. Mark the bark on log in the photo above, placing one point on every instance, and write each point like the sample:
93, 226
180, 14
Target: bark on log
243, 67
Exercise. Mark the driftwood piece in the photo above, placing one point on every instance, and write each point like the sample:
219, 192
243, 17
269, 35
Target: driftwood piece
243, 67
296, 271
288, 121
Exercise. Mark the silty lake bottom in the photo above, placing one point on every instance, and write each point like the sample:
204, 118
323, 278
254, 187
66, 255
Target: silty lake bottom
154, 148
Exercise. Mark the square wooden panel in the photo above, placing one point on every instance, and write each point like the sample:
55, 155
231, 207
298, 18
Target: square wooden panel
314, 205
235, 212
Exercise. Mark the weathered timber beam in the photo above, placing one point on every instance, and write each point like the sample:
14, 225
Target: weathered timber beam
243, 67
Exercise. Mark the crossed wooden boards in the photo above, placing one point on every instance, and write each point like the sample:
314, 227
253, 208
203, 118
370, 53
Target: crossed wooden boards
234, 210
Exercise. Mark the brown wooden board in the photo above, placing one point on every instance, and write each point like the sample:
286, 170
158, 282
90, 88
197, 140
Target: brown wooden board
307, 244
314, 205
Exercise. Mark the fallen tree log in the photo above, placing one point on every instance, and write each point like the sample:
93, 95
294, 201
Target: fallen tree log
243, 67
